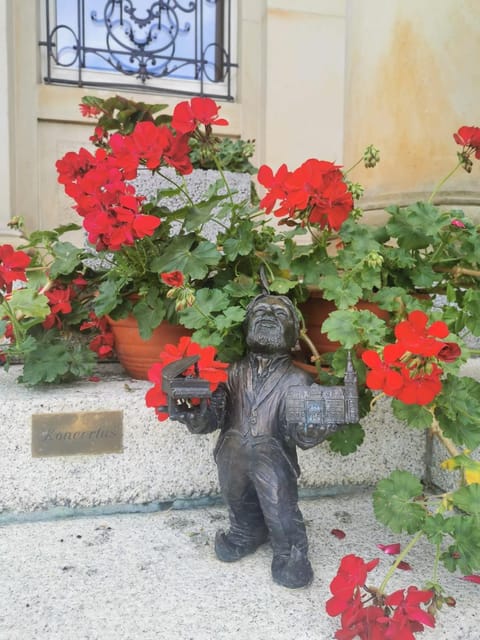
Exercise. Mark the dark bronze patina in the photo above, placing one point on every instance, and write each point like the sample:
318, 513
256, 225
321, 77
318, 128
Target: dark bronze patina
265, 410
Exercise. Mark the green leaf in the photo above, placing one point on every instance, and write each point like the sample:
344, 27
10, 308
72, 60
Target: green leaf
230, 317
415, 415
200, 213
241, 244
464, 553
344, 293
206, 337
282, 285
416, 226
347, 440
372, 328
48, 363
435, 528
67, 259
108, 298
393, 502
29, 303
341, 326
182, 255
207, 303
468, 499
471, 308
458, 410
149, 315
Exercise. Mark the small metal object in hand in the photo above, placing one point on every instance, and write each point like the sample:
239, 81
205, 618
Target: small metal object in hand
181, 388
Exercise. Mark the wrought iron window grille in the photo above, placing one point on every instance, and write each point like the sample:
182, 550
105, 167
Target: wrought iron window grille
169, 46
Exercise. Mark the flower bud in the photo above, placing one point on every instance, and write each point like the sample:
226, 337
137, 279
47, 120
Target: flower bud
356, 189
371, 156
374, 259
465, 161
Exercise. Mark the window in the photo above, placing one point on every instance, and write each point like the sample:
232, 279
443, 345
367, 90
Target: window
173, 46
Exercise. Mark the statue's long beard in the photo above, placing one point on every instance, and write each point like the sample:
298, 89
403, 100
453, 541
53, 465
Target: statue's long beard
266, 340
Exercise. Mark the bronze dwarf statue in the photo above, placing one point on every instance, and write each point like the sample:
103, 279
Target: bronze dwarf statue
267, 408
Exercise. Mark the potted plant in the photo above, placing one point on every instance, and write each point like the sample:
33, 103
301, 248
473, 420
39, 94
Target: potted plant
143, 259
413, 356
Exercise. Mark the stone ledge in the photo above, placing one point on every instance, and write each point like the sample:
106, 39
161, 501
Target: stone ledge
160, 462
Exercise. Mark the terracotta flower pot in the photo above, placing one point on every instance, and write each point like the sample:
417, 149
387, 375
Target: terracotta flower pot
137, 355
316, 310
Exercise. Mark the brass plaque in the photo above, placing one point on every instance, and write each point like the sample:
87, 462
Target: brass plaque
81, 433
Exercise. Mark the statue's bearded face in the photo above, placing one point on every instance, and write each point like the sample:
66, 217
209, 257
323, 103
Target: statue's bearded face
270, 326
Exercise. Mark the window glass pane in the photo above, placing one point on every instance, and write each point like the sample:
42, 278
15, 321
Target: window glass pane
176, 46
142, 35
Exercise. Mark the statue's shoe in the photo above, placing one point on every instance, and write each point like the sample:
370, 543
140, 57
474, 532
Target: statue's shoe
293, 571
229, 549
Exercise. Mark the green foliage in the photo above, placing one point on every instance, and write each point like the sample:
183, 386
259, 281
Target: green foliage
458, 413
352, 327
415, 415
464, 552
396, 504
54, 360
232, 154
347, 440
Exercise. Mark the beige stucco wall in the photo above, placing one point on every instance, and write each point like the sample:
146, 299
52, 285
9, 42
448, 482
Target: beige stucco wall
413, 79
304, 85
289, 97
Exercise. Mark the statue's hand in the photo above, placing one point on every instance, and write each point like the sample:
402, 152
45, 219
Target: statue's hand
309, 435
195, 418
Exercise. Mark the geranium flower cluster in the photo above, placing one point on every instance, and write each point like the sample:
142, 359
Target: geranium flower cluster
12, 267
60, 298
206, 368
469, 139
315, 193
409, 369
370, 615
100, 183
103, 343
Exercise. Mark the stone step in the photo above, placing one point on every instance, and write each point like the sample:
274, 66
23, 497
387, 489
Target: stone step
159, 462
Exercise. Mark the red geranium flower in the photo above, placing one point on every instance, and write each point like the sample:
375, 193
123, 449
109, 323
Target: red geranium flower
275, 183
469, 138
89, 111
173, 278
59, 302
74, 165
315, 191
176, 153
12, 266
420, 388
103, 343
187, 115
408, 616
382, 375
449, 352
207, 367
418, 338
351, 574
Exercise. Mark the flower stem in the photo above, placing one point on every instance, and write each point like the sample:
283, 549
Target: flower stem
436, 431
221, 172
181, 188
399, 559
442, 181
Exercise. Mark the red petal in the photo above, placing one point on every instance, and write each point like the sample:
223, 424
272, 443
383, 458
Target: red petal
404, 566
472, 578
391, 549
338, 533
